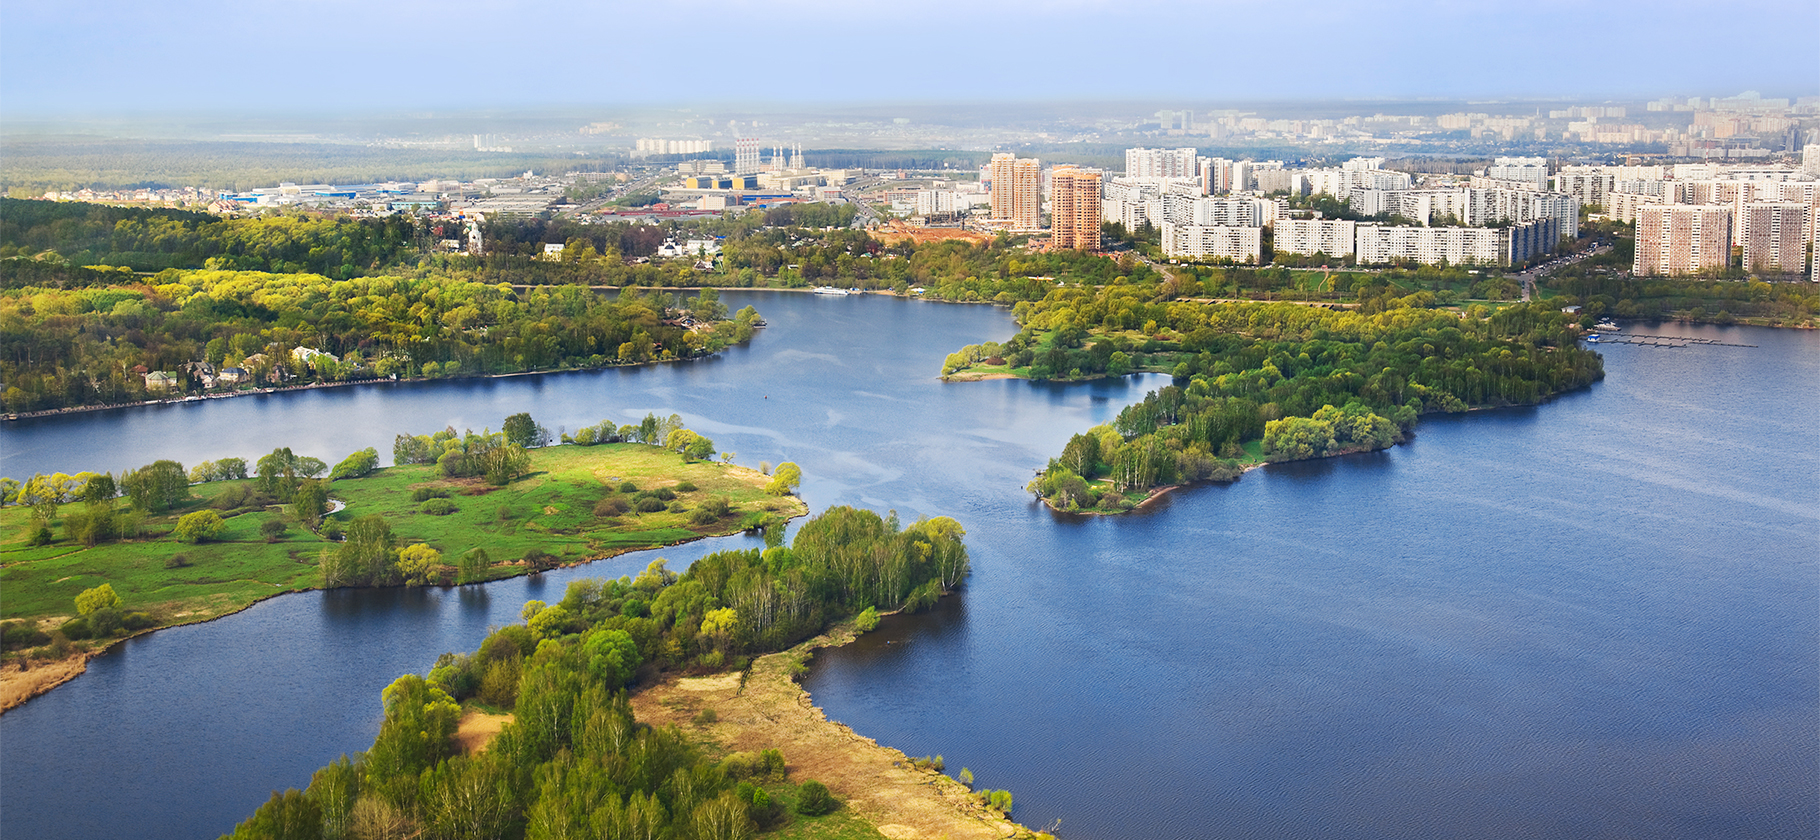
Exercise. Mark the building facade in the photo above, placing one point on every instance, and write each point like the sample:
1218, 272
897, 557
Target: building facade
1774, 237
1677, 239
1017, 191
1333, 237
1162, 163
1213, 242
1074, 208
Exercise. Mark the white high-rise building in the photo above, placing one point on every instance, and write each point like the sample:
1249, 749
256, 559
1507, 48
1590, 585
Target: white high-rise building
1333, 237
1212, 242
1529, 170
1774, 236
1676, 239
1162, 163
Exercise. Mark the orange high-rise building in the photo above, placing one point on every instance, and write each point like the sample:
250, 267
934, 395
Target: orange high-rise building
1074, 207
1017, 191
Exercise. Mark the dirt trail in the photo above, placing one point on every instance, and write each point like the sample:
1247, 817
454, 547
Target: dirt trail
772, 711
476, 730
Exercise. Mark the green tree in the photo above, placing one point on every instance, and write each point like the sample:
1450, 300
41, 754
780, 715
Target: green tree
785, 479
813, 799
419, 564
200, 526
356, 465
474, 565
156, 487
521, 430
99, 598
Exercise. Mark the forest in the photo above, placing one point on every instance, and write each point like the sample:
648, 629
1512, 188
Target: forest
573, 762
95, 345
1300, 381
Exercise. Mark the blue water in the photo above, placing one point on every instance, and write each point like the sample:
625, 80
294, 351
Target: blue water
1595, 618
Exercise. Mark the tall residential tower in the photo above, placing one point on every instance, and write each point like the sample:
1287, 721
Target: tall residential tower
1074, 207
1017, 191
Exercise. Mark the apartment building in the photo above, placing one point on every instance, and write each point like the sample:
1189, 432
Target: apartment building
1162, 163
1212, 242
1333, 237
1774, 236
1016, 191
1074, 207
1676, 239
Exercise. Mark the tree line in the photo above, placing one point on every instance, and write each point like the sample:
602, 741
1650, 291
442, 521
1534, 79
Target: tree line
573, 762
1303, 381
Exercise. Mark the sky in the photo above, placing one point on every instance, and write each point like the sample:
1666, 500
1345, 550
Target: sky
100, 57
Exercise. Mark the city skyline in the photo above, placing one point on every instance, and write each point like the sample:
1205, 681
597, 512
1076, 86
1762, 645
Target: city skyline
105, 56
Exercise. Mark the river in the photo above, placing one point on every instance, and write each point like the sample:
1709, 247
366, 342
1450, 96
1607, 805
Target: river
1597, 617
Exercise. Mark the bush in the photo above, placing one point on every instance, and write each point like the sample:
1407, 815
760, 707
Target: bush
136, 621
685, 487
610, 506
703, 516
177, 561
272, 529
332, 529
41, 536
201, 526
17, 635
866, 621
628, 487
813, 799
705, 717
649, 505
75, 628
424, 494
438, 507
999, 800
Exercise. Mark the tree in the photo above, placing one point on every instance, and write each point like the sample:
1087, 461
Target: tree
310, 502
156, 487
420, 564
785, 479
200, 526
474, 565
813, 799
99, 598
521, 430
356, 465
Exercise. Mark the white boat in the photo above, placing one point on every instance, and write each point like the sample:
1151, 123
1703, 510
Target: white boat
1607, 325
830, 290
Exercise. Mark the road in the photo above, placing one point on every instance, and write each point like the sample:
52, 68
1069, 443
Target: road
1529, 276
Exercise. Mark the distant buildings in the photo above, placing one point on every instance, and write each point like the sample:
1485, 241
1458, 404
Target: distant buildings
1016, 191
745, 156
1161, 163
1529, 170
1682, 239
1385, 244
1074, 208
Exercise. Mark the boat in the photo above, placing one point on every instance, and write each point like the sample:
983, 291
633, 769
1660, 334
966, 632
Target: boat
1607, 325
830, 290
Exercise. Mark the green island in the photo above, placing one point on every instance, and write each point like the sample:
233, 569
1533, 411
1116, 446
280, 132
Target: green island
534, 734
166, 546
1260, 382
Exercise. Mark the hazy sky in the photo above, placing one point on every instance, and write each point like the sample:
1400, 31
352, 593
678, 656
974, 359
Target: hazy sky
108, 56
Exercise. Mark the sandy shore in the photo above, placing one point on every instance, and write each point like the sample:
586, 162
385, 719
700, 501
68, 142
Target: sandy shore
770, 710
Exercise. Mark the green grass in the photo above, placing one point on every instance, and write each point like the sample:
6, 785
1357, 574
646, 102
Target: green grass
841, 824
549, 510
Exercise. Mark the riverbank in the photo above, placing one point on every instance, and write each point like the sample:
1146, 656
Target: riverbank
570, 509
767, 708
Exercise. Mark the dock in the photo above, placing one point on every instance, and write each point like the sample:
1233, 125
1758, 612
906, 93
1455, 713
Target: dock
1661, 341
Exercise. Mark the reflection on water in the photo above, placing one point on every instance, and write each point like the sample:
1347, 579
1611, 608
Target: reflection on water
1592, 618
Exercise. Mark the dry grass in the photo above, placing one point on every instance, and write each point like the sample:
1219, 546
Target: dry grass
772, 711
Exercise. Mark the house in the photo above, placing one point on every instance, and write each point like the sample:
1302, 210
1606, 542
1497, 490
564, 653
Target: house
159, 382
232, 376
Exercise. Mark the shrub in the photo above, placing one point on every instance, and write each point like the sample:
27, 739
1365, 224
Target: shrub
649, 505
438, 507
271, 529
628, 487
136, 621
999, 800
424, 494
75, 628
610, 506
664, 493
201, 526
705, 717
703, 516
332, 529
685, 487
813, 799
41, 536
867, 620
177, 561
17, 635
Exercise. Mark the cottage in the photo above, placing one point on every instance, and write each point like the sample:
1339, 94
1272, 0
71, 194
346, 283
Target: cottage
159, 382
